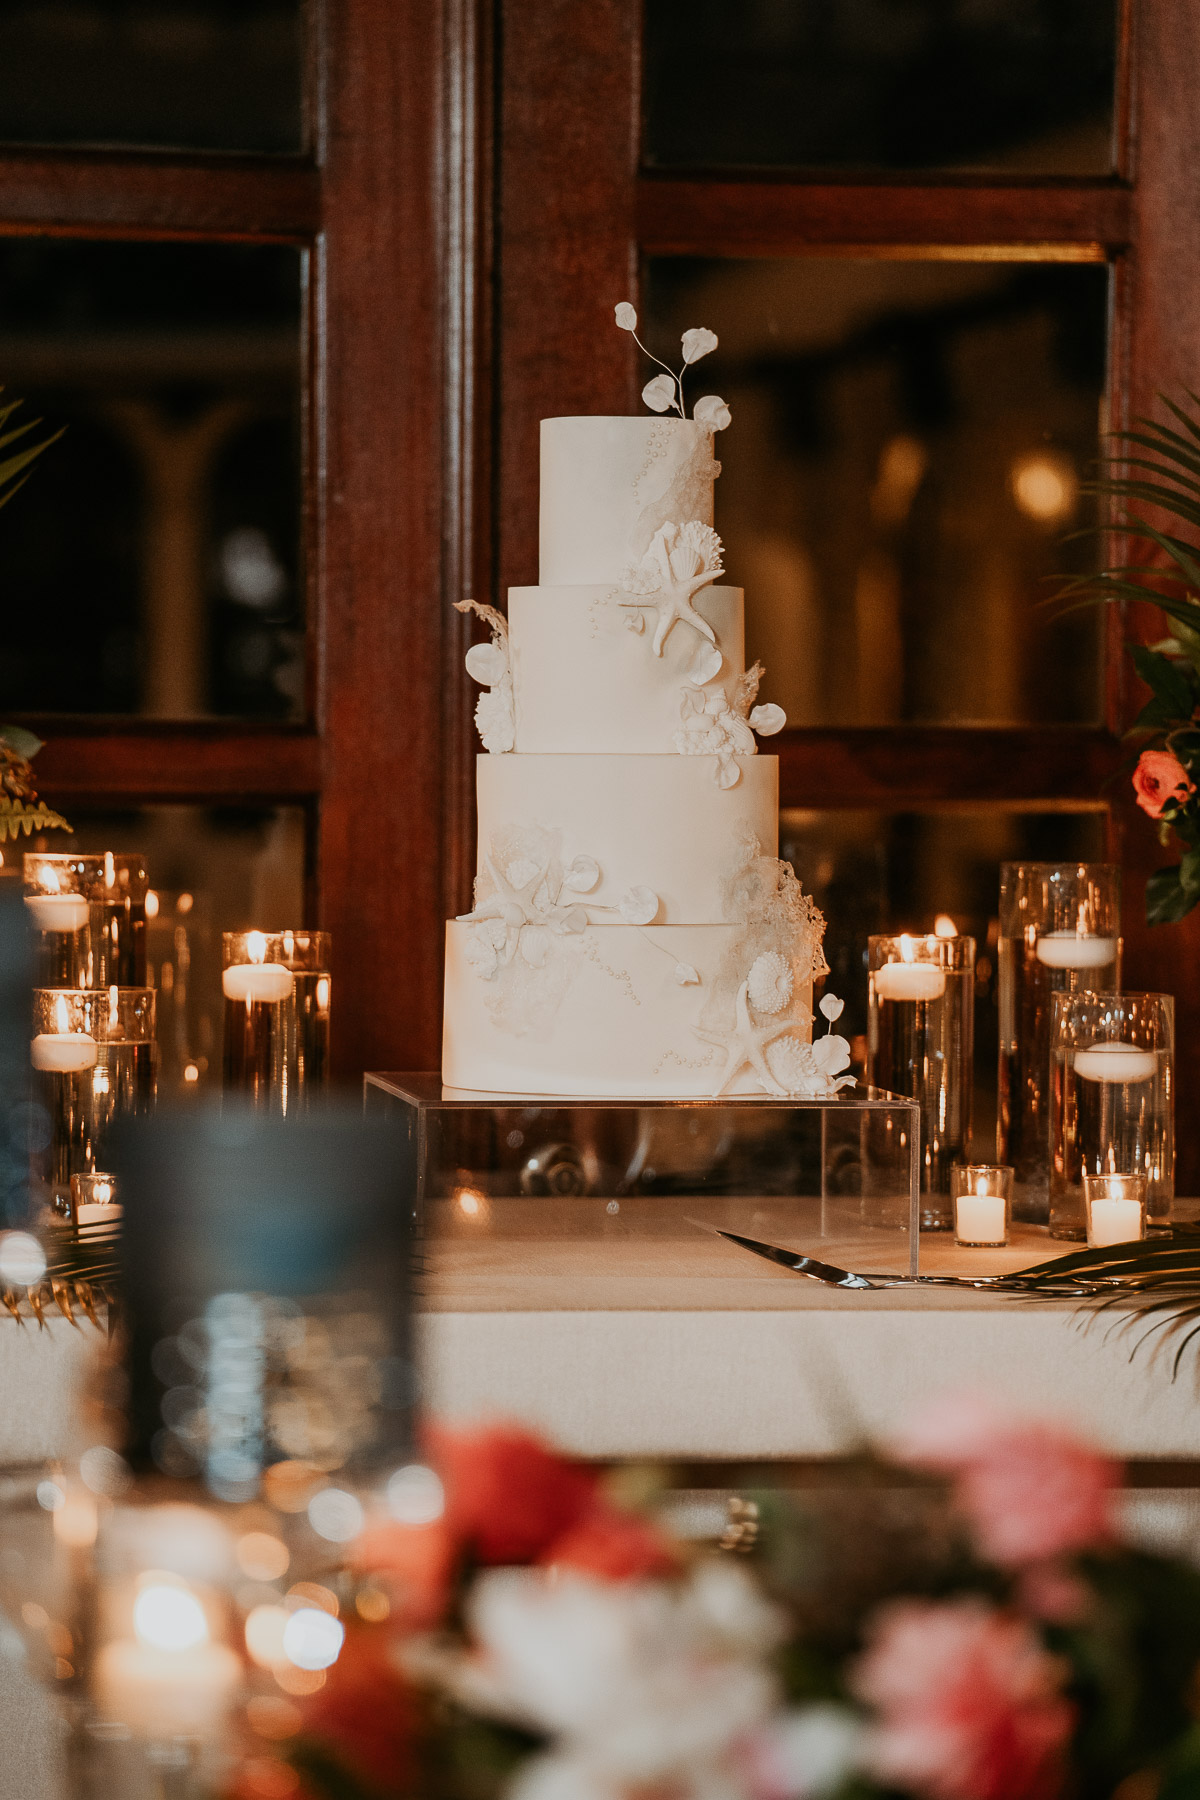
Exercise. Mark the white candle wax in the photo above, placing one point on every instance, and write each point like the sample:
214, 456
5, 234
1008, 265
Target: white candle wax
979, 1218
1115, 1062
1075, 950
267, 982
1115, 1221
58, 912
63, 1052
910, 981
165, 1693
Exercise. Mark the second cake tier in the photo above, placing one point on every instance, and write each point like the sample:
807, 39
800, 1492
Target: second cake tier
660, 824
586, 677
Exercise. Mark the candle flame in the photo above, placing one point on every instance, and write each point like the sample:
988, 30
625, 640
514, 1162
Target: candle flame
981, 1186
112, 1006
944, 926
256, 947
906, 948
323, 994
110, 870
48, 875
62, 1019
151, 904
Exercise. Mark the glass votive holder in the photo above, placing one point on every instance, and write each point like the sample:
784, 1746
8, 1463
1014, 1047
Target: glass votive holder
93, 1199
1060, 933
920, 1042
278, 993
1116, 1208
89, 918
982, 1195
1112, 1102
95, 1061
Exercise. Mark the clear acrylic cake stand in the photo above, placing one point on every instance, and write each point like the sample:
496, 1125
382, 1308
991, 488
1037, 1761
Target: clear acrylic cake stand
837, 1178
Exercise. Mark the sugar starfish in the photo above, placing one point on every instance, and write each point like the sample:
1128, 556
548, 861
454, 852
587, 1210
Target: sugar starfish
746, 1044
673, 603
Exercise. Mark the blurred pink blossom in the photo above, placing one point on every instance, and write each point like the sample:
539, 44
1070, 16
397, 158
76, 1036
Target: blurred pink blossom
968, 1703
1029, 1489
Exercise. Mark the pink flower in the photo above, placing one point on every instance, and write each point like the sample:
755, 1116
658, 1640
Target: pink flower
1158, 779
1029, 1489
969, 1705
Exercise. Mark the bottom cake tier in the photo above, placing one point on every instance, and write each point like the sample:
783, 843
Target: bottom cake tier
621, 1012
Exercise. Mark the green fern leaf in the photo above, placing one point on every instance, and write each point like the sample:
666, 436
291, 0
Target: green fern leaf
17, 817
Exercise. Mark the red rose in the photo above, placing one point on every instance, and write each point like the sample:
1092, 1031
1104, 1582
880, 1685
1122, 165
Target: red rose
417, 1562
615, 1546
507, 1497
1158, 779
364, 1712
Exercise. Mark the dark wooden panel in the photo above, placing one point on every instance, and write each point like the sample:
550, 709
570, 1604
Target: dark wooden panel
379, 321
700, 216
101, 193
568, 122
911, 766
173, 762
1162, 294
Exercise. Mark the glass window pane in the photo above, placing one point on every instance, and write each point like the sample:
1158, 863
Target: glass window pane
211, 870
908, 445
152, 561
886, 872
1018, 85
176, 74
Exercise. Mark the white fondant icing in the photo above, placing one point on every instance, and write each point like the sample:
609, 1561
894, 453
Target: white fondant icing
611, 1020
608, 484
583, 683
655, 821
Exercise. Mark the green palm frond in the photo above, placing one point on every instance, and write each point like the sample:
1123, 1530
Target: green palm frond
1156, 1282
15, 469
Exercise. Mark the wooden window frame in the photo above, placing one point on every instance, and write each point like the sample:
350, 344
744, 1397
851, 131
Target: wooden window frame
577, 212
375, 201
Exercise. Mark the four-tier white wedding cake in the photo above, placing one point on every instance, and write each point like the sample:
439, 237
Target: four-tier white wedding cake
633, 933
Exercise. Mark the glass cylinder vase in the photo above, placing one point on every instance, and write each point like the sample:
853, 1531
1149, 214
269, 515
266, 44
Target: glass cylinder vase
1112, 1102
278, 992
921, 1042
1060, 933
89, 918
95, 1061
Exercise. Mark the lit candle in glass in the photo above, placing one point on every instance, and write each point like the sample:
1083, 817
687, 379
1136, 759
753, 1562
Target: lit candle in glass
257, 980
168, 1680
982, 1194
1116, 1208
67, 1047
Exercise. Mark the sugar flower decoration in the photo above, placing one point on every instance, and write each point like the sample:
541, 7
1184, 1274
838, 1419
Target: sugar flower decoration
489, 665
664, 393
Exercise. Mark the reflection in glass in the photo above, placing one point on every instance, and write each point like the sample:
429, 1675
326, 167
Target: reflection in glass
177, 74
887, 84
152, 562
873, 872
908, 445
210, 870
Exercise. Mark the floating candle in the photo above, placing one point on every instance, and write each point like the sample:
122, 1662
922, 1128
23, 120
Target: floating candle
266, 982
910, 981
57, 912
63, 1052
1075, 950
1115, 1062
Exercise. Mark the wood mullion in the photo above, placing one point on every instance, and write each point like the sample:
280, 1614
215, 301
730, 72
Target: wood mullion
124, 760
1018, 221
148, 194
906, 766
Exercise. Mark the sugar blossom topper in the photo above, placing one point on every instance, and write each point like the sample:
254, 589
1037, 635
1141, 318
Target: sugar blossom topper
664, 393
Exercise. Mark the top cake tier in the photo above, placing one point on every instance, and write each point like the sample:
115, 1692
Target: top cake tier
608, 484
